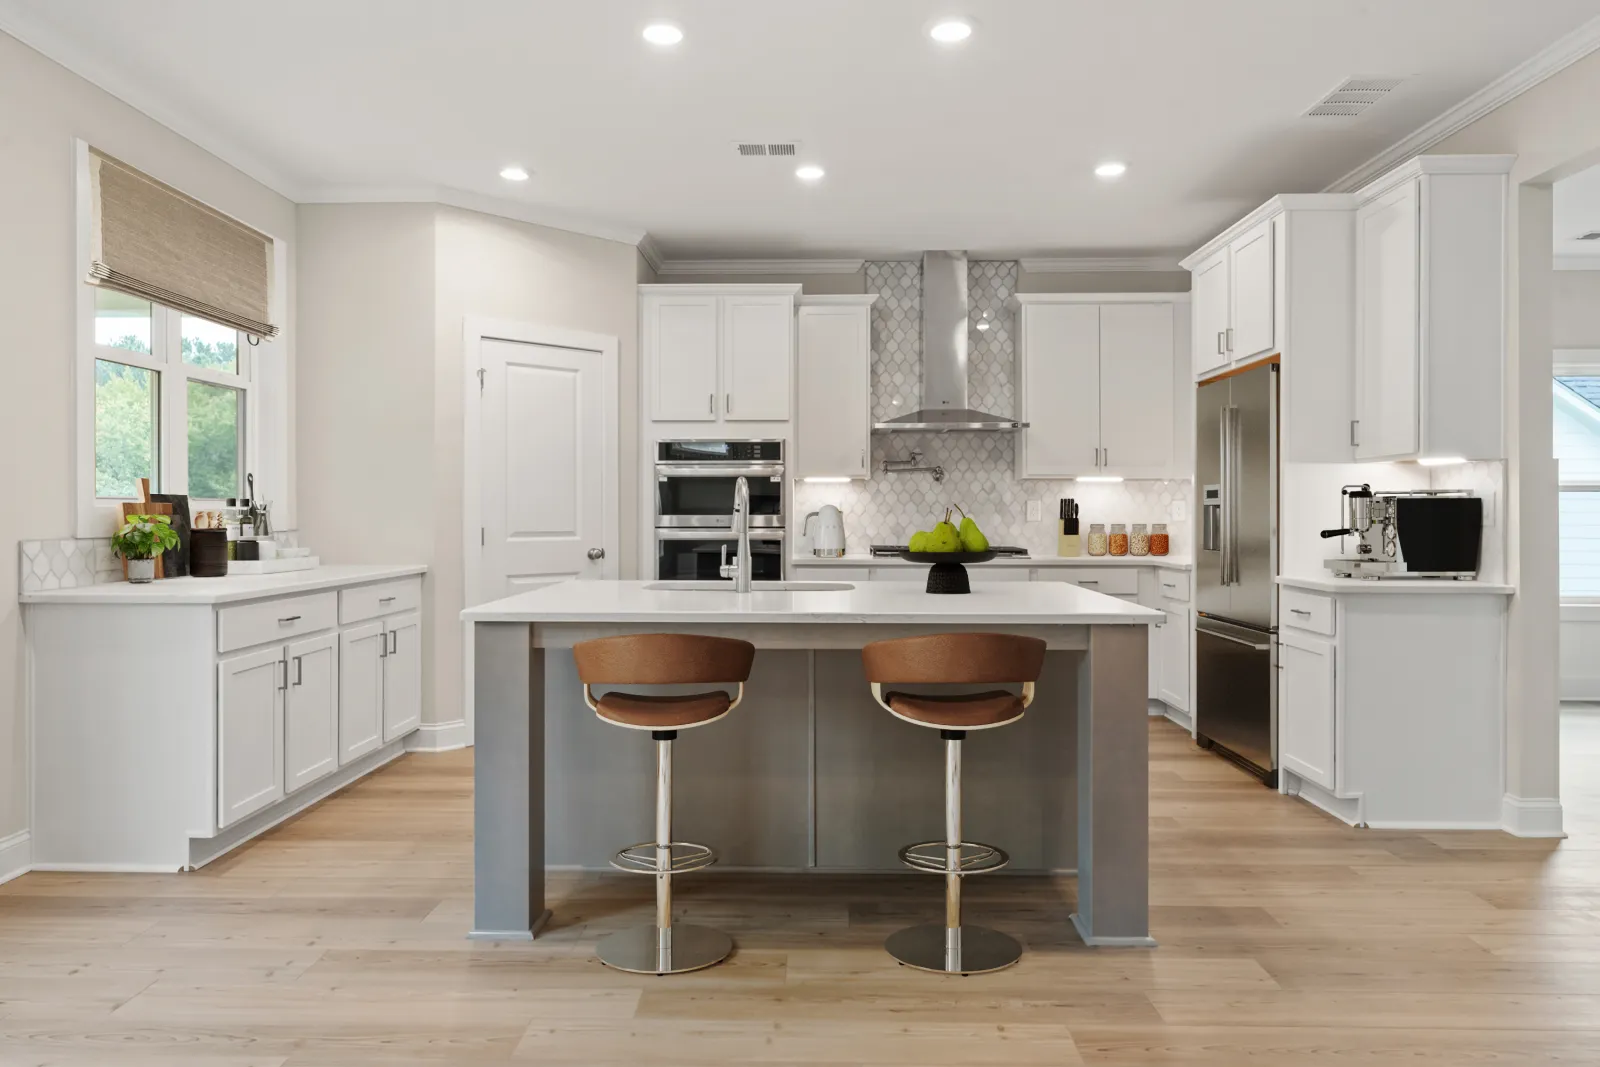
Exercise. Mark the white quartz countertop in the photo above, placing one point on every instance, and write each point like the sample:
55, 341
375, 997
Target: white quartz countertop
862, 559
1395, 586
1038, 603
224, 590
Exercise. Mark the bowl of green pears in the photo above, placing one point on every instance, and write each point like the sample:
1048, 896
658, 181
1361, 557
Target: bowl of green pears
947, 548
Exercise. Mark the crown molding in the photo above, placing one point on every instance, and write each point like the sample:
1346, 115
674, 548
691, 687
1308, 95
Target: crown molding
1098, 264
651, 252
1578, 262
760, 266
1551, 61
470, 201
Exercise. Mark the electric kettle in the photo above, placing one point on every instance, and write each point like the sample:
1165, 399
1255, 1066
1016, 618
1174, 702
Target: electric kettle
828, 537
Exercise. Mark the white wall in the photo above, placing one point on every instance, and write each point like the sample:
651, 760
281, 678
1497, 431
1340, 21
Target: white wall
42, 108
1576, 311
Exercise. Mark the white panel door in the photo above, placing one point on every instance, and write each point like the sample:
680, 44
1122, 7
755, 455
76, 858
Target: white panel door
757, 343
541, 464
1252, 294
1306, 723
1060, 390
833, 424
1174, 650
311, 711
1136, 402
681, 354
249, 734
1209, 286
361, 653
1388, 348
402, 675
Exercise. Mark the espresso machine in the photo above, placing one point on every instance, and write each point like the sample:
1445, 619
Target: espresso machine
1369, 518
1418, 534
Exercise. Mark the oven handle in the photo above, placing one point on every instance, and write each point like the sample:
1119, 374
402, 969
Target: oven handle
716, 534
716, 470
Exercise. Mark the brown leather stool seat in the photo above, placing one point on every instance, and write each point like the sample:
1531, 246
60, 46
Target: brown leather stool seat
663, 947
954, 947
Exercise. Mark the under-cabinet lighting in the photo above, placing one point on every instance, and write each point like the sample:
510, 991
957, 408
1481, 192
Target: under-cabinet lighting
825, 481
1440, 461
1098, 478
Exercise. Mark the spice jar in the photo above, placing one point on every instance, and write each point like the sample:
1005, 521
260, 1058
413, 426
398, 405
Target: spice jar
1119, 539
1097, 539
1159, 542
1139, 540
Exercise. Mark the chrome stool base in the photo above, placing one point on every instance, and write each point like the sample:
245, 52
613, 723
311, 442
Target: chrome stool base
962, 950
639, 949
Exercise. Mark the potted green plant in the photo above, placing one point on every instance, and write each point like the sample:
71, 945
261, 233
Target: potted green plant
141, 539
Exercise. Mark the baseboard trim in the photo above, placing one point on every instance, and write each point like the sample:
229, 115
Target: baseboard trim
1095, 941
16, 855
1531, 816
511, 935
438, 737
1347, 810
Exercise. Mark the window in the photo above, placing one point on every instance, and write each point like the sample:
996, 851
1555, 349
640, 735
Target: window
1577, 451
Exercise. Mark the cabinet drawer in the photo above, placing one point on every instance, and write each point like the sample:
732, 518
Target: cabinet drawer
261, 621
1306, 611
1112, 580
380, 598
1174, 585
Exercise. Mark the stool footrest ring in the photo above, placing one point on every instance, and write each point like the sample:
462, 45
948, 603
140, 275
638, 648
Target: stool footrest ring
684, 856
933, 857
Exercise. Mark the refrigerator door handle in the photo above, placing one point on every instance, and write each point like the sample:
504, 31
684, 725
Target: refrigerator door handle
1228, 577
1235, 479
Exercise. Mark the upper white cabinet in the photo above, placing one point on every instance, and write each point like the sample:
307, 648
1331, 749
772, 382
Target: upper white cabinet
1233, 301
718, 353
833, 417
1430, 310
1097, 380
1209, 286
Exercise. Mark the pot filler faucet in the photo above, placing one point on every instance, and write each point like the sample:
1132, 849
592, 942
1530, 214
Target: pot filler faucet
739, 570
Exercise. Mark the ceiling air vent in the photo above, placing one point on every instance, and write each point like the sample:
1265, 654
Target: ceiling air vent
1592, 235
765, 149
1353, 97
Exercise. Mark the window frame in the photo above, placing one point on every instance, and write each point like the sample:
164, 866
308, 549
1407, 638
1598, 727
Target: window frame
1572, 363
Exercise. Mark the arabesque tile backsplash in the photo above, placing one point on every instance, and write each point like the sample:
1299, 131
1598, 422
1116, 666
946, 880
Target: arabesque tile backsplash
979, 468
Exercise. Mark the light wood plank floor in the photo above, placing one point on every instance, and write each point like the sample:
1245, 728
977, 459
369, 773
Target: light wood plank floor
1287, 939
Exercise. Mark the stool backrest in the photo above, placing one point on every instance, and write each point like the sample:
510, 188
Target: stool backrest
663, 659
940, 659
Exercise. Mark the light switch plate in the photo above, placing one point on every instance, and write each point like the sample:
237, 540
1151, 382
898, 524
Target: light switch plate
1180, 511
1035, 510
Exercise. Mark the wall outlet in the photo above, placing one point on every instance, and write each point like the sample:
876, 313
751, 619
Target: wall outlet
1180, 511
1488, 506
1035, 510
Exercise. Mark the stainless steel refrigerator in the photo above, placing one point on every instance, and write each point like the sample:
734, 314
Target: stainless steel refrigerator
1236, 569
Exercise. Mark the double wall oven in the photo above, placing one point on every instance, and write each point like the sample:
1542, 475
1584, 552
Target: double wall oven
694, 507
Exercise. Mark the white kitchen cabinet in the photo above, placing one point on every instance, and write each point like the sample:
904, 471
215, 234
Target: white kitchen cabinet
402, 676
718, 354
1173, 639
1097, 378
1250, 297
311, 711
249, 733
1430, 310
1306, 706
362, 650
1209, 286
833, 417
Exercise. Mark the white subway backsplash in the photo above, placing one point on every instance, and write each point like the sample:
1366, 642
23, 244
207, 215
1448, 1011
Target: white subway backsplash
71, 562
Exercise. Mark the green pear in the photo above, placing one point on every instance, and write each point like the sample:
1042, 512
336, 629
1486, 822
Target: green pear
945, 537
972, 538
919, 541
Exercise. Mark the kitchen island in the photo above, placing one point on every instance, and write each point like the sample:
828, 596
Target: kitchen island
809, 773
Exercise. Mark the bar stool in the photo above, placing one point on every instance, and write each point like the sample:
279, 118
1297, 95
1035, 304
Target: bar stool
663, 659
953, 947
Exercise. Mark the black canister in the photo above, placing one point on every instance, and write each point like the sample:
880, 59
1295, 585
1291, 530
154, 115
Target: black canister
208, 553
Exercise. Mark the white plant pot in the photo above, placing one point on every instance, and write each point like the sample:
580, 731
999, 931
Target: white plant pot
141, 570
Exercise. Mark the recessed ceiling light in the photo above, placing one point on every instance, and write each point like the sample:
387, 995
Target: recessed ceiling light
514, 174
1111, 169
663, 33
950, 31
810, 172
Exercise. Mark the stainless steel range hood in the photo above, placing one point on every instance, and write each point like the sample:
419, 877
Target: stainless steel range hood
944, 356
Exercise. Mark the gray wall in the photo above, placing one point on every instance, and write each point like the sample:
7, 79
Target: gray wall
1576, 307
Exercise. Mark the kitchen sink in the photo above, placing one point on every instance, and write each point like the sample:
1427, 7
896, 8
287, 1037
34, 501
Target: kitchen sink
755, 587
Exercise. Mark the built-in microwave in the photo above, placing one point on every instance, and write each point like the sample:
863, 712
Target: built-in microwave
695, 480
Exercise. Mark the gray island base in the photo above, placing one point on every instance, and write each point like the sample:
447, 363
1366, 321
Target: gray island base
809, 774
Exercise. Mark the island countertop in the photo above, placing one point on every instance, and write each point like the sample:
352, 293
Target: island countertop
991, 603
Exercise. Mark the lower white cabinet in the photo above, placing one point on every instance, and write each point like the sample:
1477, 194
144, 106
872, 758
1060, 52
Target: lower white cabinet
1306, 729
402, 676
1173, 642
249, 734
310, 711
362, 651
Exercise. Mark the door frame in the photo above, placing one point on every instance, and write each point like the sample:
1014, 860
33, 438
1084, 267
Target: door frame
475, 331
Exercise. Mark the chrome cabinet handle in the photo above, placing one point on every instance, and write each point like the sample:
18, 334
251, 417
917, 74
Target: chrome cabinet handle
285, 683
1169, 585
394, 642
385, 599
383, 644
1230, 338
711, 403
1105, 457
1300, 611
291, 618
597, 553
729, 402
1088, 581
298, 671
1220, 351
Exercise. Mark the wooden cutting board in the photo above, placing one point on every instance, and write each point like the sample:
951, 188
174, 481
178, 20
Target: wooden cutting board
145, 506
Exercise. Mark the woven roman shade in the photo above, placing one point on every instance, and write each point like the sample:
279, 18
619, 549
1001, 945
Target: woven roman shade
150, 240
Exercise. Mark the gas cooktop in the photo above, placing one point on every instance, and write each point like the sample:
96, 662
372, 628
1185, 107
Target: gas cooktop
1000, 550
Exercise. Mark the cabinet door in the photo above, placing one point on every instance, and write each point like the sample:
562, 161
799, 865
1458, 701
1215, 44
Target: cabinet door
681, 350
1211, 311
1251, 295
362, 650
1306, 730
757, 340
1388, 351
1136, 402
833, 421
249, 734
1060, 390
1175, 660
402, 676
311, 711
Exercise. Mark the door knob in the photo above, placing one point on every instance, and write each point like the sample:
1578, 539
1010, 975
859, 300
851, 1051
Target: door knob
597, 553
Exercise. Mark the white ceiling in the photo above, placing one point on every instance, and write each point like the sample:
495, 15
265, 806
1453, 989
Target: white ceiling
987, 146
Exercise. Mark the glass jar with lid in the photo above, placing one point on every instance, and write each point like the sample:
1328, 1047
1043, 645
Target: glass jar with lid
1139, 540
1118, 542
1097, 539
1160, 543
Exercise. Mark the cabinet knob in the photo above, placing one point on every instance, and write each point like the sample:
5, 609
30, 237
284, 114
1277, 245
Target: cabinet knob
597, 553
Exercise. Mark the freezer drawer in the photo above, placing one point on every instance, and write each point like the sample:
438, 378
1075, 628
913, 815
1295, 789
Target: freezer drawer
1235, 704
